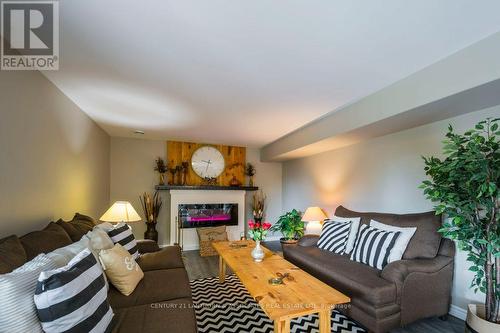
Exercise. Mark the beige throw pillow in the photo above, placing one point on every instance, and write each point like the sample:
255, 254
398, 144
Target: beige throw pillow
121, 269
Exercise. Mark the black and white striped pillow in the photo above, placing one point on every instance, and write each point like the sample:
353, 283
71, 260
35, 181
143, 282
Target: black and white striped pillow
122, 234
373, 246
73, 298
334, 236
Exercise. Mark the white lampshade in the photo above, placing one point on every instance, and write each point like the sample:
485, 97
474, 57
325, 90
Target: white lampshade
121, 211
314, 214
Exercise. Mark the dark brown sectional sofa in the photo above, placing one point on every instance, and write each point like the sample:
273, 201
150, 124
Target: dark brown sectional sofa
418, 286
162, 300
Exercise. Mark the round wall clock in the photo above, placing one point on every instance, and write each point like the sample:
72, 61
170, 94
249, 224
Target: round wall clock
208, 162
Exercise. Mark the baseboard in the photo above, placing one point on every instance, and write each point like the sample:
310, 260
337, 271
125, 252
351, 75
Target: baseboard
185, 248
458, 312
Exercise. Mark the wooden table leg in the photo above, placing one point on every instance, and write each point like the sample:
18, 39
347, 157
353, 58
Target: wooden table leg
282, 326
222, 270
324, 321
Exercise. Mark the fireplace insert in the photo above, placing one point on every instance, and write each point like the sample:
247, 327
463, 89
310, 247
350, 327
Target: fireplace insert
207, 215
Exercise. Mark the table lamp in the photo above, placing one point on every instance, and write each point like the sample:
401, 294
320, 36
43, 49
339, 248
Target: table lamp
314, 216
121, 211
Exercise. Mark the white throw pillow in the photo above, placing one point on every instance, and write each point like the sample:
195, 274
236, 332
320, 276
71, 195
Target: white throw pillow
105, 226
401, 243
63, 255
99, 240
352, 233
18, 312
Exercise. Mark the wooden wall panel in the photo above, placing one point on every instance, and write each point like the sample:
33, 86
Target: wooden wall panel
235, 159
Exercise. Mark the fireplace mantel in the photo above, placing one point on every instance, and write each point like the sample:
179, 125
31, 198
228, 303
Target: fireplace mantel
205, 187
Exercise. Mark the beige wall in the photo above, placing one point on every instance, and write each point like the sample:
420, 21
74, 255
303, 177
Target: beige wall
54, 160
132, 173
132, 163
379, 175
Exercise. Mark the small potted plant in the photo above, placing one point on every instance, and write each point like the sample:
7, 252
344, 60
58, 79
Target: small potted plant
291, 226
250, 172
258, 232
161, 168
465, 187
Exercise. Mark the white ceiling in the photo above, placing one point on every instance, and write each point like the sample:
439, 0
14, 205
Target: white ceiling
248, 72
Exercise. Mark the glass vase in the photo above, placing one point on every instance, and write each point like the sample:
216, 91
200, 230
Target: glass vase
257, 252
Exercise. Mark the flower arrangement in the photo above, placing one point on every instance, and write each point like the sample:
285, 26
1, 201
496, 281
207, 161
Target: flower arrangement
250, 172
258, 231
160, 165
162, 169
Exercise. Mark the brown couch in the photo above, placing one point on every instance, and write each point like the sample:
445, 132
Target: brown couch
418, 286
162, 300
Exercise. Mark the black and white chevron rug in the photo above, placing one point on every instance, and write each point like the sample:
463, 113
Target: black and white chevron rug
229, 308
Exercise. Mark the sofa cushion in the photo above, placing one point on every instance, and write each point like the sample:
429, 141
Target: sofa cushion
156, 286
424, 244
45, 241
78, 226
176, 316
12, 254
349, 277
166, 258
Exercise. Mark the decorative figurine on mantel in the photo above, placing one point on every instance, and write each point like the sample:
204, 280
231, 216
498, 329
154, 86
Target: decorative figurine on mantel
209, 181
250, 172
172, 171
161, 168
151, 207
184, 170
234, 182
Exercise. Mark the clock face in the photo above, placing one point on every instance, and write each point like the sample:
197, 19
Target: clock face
207, 162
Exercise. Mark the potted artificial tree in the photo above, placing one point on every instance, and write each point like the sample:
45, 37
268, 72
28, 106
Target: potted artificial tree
464, 185
291, 226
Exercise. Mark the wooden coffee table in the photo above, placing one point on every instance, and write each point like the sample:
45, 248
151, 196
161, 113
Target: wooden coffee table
300, 294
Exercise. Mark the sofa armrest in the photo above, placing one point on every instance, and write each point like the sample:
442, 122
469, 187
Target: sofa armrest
423, 286
398, 271
166, 258
308, 240
405, 273
147, 246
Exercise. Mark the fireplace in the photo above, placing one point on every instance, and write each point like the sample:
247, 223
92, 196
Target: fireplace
205, 208
207, 215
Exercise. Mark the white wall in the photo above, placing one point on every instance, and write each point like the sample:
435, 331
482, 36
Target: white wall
132, 164
54, 160
268, 178
381, 175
